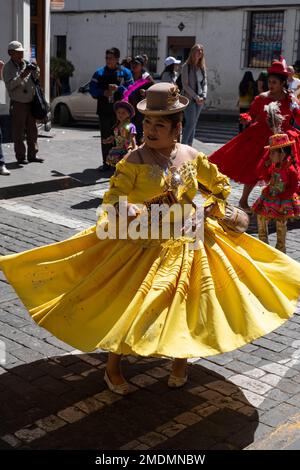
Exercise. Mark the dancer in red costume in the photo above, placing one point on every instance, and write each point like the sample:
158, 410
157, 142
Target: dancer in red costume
240, 157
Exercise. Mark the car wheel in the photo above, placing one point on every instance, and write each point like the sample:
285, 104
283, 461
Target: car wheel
63, 115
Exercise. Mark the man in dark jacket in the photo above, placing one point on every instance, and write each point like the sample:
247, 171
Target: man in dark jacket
107, 86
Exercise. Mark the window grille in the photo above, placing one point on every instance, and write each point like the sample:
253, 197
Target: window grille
265, 37
296, 48
143, 39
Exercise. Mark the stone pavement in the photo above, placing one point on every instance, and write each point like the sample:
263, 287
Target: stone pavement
52, 397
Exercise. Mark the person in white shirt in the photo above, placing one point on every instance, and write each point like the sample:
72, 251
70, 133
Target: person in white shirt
293, 82
170, 73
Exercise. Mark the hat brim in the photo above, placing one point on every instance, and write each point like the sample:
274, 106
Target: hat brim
277, 72
19, 49
183, 103
288, 144
126, 105
177, 62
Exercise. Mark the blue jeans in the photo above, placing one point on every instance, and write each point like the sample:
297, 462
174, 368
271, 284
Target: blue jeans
2, 161
191, 116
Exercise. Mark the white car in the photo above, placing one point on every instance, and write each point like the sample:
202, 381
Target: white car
78, 106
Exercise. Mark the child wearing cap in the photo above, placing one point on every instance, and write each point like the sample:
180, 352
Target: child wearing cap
170, 73
124, 133
279, 199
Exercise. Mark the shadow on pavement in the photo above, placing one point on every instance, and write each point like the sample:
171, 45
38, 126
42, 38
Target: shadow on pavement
91, 176
82, 414
90, 204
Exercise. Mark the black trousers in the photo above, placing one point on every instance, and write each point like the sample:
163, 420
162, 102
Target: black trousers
106, 125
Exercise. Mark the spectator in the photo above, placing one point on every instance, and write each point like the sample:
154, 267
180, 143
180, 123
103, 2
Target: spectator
138, 69
123, 137
262, 83
146, 61
127, 62
194, 86
170, 73
246, 94
107, 86
293, 82
142, 81
296, 66
17, 77
3, 169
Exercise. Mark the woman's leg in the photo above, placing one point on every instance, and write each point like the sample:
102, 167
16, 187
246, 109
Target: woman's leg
178, 376
262, 226
189, 125
281, 228
245, 194
179, 367
113, 368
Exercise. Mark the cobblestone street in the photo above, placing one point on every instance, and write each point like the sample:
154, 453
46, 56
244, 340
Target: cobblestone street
52, 397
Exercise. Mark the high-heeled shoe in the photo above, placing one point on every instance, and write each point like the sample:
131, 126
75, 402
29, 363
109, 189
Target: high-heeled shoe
120, 389
176, 382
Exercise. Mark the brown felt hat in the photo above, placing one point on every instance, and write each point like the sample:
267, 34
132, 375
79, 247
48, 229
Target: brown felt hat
161, 99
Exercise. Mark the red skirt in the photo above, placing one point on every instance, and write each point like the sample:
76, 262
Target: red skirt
240, 157
274, 208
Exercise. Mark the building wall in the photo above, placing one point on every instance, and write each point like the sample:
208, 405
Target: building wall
220, 31
85, 5
15, 25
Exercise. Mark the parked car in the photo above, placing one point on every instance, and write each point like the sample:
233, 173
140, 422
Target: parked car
78, 106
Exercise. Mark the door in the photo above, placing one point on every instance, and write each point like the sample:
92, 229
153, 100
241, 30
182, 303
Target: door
37, 35
179, 46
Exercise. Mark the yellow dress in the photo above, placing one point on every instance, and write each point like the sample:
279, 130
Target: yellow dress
135, 297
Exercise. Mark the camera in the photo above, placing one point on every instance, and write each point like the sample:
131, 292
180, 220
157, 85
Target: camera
31, 66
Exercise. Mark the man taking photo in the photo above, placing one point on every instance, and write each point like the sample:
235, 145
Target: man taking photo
17, 75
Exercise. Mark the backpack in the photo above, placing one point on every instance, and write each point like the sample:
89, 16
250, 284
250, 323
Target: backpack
39, 106
179, 80
179, 83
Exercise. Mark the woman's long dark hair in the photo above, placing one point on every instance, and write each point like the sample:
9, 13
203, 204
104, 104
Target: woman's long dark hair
247, 84
169, 68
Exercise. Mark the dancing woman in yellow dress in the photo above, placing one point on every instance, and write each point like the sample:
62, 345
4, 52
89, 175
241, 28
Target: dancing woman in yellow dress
157, 297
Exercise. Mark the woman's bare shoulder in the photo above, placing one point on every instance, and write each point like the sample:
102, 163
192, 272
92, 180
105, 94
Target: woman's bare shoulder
190, 152
134, 156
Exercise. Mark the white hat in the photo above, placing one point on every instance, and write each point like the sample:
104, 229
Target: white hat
15, 46
171, 60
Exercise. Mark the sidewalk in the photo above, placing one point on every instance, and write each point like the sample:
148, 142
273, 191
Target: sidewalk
54, 397
72, 156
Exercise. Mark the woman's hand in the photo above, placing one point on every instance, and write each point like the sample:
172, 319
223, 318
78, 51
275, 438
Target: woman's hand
133, 211
209, 209
199, 101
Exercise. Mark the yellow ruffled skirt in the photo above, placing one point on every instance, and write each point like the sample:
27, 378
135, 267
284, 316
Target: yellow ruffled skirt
166, 300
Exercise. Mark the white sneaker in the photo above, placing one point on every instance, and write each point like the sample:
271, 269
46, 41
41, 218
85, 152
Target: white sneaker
4, 170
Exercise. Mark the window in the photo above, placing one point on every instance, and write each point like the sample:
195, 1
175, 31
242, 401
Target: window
57, 4
61, 46
265, 37
143, 39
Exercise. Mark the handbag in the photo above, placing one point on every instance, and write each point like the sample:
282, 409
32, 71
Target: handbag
235, 218
39, 105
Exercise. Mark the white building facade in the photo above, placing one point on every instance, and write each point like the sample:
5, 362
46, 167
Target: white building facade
236, 37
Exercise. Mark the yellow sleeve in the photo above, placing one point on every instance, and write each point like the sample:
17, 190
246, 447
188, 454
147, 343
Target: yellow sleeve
217, 184
121, 183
